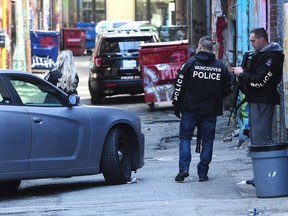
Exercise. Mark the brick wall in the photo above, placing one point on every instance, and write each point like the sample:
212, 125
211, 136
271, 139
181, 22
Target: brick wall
273, 20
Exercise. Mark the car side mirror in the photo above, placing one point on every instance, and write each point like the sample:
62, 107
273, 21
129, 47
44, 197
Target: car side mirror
73, 99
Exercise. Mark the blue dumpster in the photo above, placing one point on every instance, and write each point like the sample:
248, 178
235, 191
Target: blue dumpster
45, 47
90, 34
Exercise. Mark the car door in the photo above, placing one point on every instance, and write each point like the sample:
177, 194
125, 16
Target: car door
61, 135
15, 134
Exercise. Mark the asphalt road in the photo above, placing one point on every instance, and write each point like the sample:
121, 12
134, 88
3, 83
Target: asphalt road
153, 190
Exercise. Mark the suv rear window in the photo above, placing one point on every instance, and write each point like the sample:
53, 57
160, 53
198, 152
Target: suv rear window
128, 44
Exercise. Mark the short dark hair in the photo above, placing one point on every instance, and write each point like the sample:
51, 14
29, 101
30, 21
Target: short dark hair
207, 43
260, 32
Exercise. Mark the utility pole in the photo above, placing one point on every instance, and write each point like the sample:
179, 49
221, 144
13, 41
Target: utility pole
4, 27
190, 22
285, 66
19, 57
26, 31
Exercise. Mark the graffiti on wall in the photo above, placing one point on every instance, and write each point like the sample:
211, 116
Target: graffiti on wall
45, 48
42, 62
158, 82
243, 118
160, 66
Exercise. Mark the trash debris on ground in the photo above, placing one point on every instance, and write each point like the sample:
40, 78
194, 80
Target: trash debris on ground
227, 139
134, 180
253, 211
236, 133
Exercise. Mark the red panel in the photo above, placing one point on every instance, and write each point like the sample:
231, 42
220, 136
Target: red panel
74, 40
160, 63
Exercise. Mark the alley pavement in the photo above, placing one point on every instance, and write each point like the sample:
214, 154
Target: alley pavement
152, 190
226, 192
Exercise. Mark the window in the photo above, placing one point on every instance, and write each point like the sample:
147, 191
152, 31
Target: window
4, 96
141, 10
109, 46
34, 92
93, 10
158, 12
128, 44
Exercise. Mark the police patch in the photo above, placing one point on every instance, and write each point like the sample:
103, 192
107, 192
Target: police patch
269, 62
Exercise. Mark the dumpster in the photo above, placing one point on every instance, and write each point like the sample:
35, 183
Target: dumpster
45, 46
159, 64
90, 34
270, 164
73, 39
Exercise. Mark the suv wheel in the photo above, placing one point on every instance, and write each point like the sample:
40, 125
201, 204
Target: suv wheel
96, 96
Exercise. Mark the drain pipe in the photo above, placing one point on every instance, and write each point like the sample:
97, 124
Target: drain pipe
208, 18
285, 65
190, 23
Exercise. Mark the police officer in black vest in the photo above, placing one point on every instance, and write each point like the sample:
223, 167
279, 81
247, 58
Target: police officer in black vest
201, 84
261, 82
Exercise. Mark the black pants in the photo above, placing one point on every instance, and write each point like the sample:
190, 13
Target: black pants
260, 121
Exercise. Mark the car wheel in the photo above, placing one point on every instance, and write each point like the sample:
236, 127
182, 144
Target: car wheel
151, 107
116, 161
10, 186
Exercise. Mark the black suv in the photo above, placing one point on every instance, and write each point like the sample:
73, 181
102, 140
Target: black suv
114, 63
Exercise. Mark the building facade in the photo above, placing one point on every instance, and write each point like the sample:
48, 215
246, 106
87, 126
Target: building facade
228, 22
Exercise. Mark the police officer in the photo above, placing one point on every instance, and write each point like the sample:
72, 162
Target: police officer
201, 84
261, 80
64, 74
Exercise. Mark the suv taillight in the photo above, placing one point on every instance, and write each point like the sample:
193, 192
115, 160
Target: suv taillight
97, 62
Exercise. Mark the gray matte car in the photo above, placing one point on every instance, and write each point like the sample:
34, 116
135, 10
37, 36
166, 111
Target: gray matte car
46, 133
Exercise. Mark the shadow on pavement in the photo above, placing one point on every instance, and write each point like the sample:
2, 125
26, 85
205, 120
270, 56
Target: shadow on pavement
123, 99
51, 187
117, 100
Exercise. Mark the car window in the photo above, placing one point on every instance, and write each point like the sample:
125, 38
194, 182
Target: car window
118, 24
34, 92
4, 95
129, 45
110, 45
